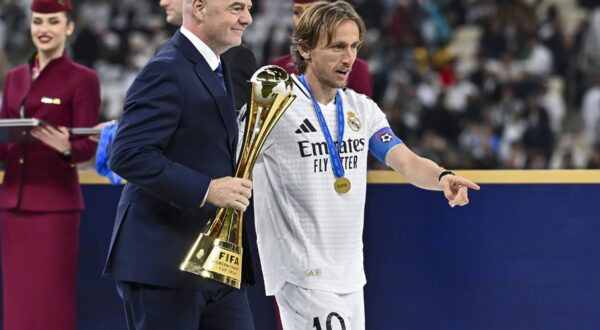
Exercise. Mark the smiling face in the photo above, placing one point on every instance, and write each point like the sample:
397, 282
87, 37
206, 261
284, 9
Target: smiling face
220, 24
330, 62
172, 10
49, 32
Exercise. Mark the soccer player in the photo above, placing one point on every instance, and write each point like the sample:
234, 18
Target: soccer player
310, 182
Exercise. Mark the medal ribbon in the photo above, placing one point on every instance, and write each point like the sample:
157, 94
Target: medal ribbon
334, 153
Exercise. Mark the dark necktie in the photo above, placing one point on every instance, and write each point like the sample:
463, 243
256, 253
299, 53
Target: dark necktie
220, 77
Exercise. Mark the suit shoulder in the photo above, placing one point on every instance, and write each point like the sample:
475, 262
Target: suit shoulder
83, 71
240, 50
22, 69
162, 67
17, 77
167, 48
170, 55
240, 57
167, 58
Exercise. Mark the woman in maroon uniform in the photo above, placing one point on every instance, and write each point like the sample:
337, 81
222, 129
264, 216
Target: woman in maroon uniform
40, 198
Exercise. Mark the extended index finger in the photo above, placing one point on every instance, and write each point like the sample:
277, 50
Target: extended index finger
466, 182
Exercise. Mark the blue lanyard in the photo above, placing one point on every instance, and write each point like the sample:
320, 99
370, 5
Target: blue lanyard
334, 153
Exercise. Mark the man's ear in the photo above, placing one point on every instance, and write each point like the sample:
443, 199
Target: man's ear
198, 8
304, 53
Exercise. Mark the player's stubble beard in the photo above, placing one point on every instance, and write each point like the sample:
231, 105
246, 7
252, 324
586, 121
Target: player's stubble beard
325, 81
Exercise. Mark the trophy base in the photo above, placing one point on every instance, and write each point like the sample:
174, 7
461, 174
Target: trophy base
215, 259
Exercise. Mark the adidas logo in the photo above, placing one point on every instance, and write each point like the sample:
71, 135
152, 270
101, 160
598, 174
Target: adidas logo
306, 127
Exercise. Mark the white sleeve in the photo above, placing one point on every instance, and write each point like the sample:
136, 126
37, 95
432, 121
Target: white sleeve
241, 129
376, 117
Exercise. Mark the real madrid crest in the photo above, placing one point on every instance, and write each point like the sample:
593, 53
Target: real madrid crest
353, 121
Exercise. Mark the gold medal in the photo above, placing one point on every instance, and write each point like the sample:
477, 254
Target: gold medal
342, 185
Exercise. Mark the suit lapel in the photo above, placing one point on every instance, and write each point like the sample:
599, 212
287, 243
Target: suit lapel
225, 104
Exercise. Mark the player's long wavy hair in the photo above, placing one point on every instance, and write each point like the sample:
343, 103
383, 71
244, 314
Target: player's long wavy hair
322, 18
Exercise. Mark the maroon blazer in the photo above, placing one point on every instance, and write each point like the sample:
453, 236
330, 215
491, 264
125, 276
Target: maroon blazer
359, 80
36, 177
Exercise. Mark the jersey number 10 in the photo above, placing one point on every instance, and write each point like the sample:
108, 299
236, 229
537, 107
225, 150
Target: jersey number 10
317, 323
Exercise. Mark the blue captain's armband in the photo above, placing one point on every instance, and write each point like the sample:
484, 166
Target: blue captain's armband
383, 141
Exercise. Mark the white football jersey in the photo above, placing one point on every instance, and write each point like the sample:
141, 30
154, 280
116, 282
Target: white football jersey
308, 234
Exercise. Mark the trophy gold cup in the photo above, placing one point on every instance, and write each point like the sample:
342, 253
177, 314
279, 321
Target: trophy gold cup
217, 253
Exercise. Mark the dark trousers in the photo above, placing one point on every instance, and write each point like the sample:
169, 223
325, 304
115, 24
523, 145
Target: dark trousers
149, 307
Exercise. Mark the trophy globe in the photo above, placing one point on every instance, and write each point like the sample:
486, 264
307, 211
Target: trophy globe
269, 81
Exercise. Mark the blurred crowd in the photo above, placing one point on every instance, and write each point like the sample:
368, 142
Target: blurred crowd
471, 84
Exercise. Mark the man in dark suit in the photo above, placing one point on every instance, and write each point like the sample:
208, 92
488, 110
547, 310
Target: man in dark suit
240, 60
176, 148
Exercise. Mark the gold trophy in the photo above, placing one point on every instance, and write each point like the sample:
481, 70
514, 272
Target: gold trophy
217, 253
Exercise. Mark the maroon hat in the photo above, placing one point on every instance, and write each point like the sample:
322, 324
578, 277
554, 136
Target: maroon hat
51, 6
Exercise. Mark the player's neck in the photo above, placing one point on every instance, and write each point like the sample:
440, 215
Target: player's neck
323, 94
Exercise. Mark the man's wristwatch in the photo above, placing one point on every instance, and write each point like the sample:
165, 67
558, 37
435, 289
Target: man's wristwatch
444, 173
66, 155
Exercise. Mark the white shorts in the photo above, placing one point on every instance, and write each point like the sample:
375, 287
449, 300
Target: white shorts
306, 309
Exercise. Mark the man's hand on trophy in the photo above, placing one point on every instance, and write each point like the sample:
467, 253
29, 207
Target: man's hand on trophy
230, 192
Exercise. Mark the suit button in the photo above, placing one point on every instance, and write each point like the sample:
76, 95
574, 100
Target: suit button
172, 203
21, 161
72, 165
24, 133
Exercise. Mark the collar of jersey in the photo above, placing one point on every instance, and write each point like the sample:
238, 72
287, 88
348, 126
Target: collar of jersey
300, 86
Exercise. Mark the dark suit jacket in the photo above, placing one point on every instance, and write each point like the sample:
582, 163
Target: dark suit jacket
177, 133
241, 64
36, 177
